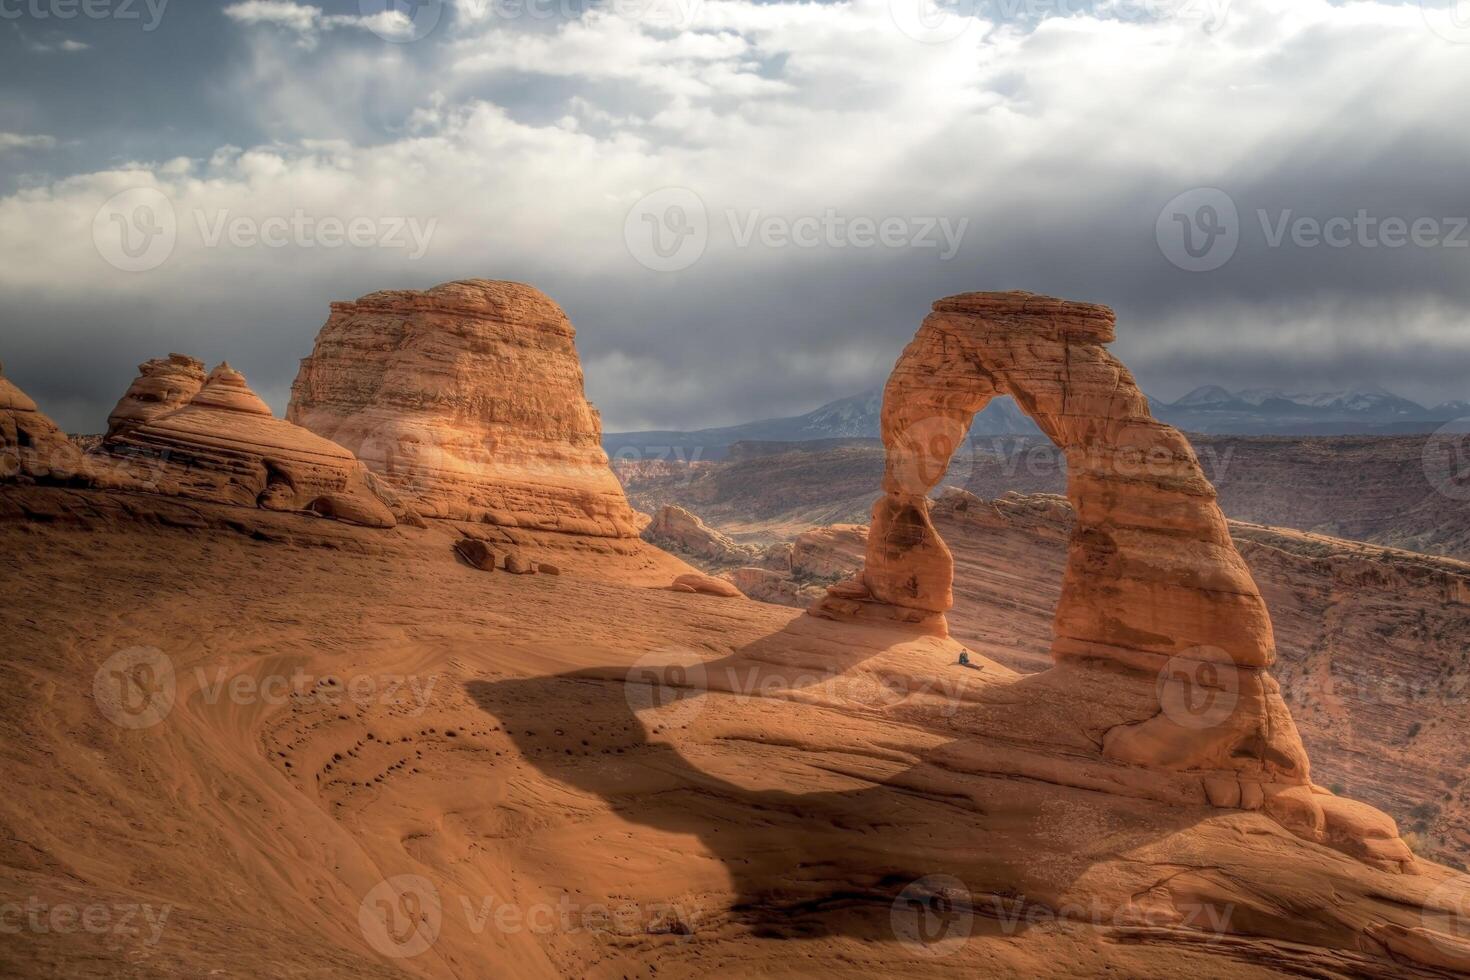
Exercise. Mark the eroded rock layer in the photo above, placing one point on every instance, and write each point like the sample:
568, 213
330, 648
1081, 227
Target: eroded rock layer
31, 446
1154, 588
225, 446
468, 399
163, 385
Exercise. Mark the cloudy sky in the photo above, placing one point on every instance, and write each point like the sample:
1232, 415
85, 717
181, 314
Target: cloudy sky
745, 207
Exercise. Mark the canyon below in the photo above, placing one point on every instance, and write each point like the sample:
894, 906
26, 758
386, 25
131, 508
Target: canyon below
415, 681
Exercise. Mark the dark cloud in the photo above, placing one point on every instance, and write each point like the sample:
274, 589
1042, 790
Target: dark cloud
1060, 198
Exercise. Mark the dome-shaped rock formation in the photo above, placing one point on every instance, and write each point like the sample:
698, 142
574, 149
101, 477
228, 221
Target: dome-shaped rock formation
225, 446
163, 385
467, 399
1154, 592
31, 446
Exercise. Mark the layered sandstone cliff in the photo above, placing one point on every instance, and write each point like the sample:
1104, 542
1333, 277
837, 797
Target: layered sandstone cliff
225, 446
467, 398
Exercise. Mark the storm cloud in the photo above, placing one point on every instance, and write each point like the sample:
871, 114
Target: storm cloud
745, 208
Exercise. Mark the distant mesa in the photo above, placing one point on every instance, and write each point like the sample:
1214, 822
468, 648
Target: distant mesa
468, 400
163, 385
225, 446
1156, 604
32, 448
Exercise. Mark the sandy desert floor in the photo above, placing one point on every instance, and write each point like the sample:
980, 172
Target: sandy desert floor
239, 743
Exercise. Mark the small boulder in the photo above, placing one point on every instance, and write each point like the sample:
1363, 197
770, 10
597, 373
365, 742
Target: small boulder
546, 569
477, 553
518, 564
694, 582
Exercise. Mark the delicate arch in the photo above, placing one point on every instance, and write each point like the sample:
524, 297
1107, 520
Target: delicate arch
1152, 580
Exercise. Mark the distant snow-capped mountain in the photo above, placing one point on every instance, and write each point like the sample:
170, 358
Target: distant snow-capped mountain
1275, 411
856, 417
1209, 409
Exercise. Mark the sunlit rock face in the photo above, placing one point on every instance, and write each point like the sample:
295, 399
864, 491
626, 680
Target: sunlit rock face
163, 385
468, 399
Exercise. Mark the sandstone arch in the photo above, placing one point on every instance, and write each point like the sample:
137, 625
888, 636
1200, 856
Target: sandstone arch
1154, 585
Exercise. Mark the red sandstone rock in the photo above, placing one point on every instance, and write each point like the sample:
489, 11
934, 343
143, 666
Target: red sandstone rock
675, 529
767, 585
163, 385
477, 553
829, 552
468, 399
694, 582
1154, 589
226, 447
31, 446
